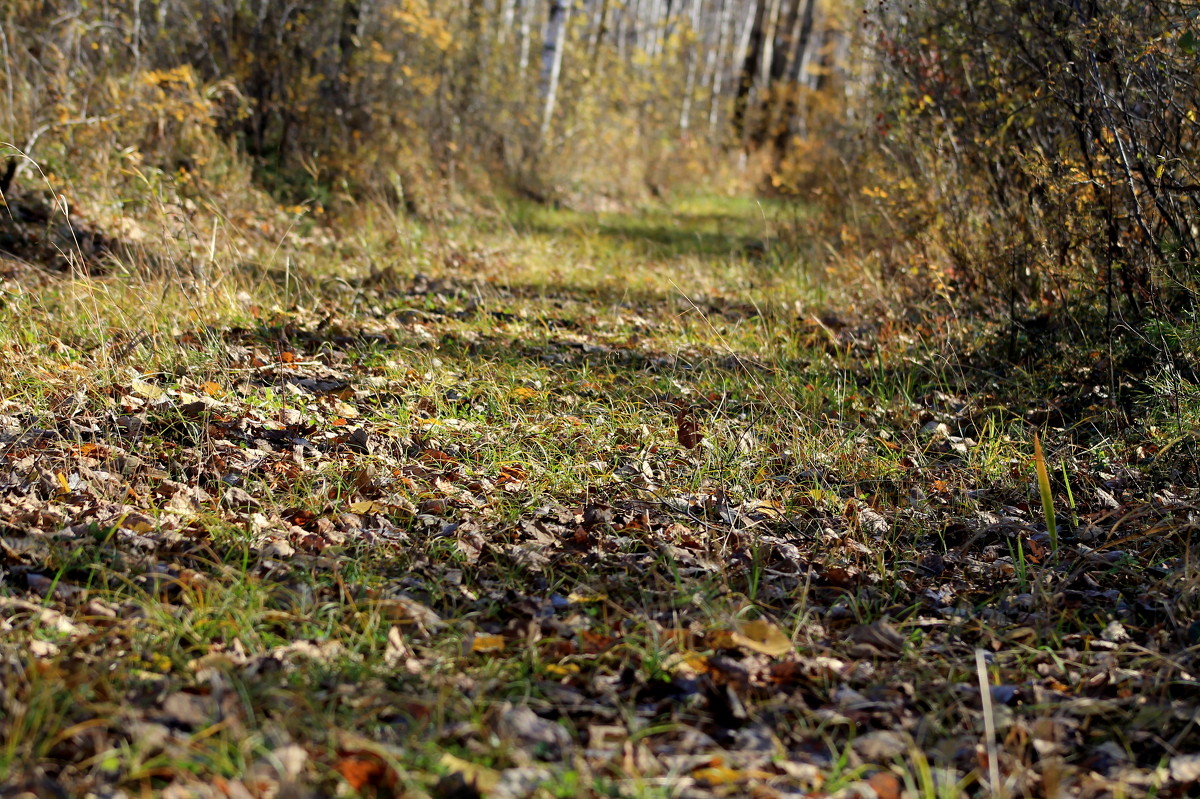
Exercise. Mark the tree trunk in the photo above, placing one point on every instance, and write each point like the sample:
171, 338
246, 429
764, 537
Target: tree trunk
601, 32
526, 33
693, 62
747, 56
767, 44
552, 56
716, 65
782, 120
801, 41
507, 19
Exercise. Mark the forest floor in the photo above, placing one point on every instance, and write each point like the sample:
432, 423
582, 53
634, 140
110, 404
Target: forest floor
557, 504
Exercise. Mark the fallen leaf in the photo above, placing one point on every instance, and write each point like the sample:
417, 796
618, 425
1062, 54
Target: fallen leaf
541, 737
409, 612
879, 639
363, 769
763, 637
147, 390
481, 778
688, 434
885, 784
379, 508
236, 498
881, 746
44, 616
1185, 768
715, 775
192, 710
487, 643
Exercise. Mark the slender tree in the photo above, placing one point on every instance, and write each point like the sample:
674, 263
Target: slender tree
553, 47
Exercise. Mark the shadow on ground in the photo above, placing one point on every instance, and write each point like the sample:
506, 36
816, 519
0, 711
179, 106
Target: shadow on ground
661, 234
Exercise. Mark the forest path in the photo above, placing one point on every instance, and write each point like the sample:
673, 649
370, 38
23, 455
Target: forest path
561, 504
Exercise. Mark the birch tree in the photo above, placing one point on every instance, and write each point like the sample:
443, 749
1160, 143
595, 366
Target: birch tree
525, 36
553, 47
693, 58
716, 64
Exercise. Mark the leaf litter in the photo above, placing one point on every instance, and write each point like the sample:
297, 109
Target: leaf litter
430, 547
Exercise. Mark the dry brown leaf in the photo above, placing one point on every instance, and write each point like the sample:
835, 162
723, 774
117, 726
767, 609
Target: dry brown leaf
398, 653
689, 434
519, 723
364, 769
44, 616
408, 612
885, 784
879, 639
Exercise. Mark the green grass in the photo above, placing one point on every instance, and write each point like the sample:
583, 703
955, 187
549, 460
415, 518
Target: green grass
469, 494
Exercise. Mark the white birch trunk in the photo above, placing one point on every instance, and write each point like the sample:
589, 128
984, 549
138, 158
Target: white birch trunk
801, 39
689, 89
526, 33
631, 41
600, 22
552, 56
743, 42
507, 17
814, 60
619, 31
768, 44
653, 17
716, 60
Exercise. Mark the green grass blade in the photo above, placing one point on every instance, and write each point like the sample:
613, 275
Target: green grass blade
1043, 476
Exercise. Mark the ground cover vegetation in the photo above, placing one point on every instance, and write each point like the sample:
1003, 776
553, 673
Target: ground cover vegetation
715, 398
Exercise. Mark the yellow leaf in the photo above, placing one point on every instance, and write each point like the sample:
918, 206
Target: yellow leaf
147, 390
721, 639
487, 643
579, 598
763, 637
561, 669
483, 779
718, 775
137, 522
523, 392
382, 508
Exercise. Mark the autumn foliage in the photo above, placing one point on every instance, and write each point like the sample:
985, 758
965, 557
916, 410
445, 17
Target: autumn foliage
1047, 151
